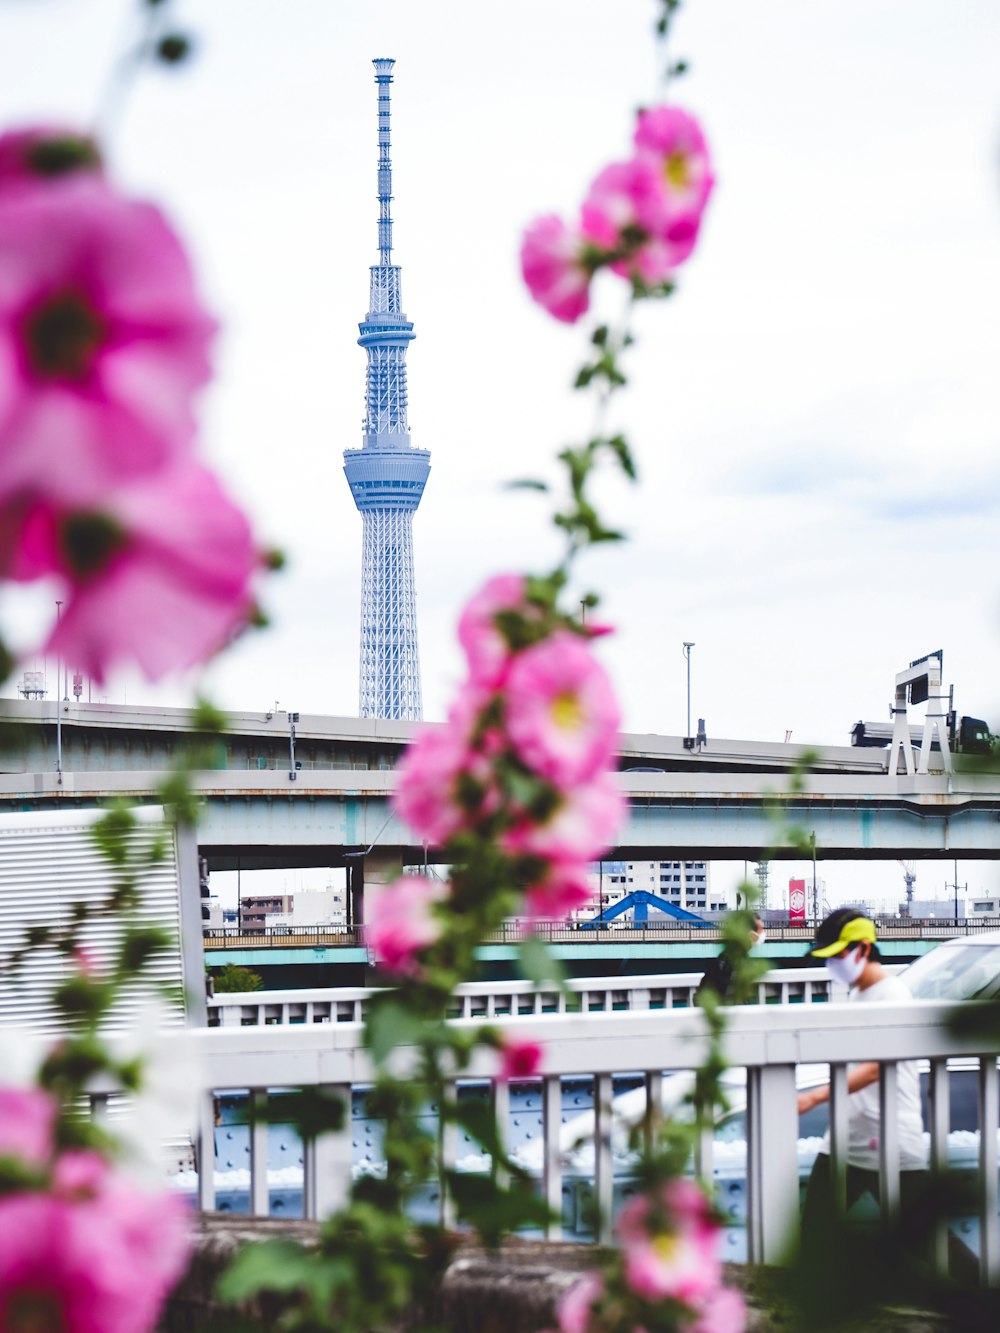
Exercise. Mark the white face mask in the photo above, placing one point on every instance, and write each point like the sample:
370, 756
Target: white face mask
847, 969
757, 937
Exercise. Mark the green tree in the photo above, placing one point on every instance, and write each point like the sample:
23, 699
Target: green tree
231, 978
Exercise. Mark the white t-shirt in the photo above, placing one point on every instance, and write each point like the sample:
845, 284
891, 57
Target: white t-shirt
864, 1123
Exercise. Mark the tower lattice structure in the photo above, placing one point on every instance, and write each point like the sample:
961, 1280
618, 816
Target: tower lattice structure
387, 474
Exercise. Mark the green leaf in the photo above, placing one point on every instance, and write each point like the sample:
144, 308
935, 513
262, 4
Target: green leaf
390, 1025
493, 1210
272, 1265
139, 945
538, 964
313, 1111
478, 1120
111, 833
526, 484
206, 717
173, 48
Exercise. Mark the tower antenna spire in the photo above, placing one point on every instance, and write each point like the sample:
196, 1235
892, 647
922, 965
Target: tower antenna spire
387, 475
383, 78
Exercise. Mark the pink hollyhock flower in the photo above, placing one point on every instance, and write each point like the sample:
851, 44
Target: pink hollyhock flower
582, 827
443, 783
486, 649
159, 574
678, 1257
44, 154
402, 922
554, 268
674, 141
574, 1306
103, 1265
725, 1311
425, 781
80, 1173
562, 716
27, 1119
85, 960
103, 342
519, 1059
559, 893
619, 213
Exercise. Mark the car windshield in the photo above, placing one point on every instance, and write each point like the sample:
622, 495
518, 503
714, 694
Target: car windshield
958, 971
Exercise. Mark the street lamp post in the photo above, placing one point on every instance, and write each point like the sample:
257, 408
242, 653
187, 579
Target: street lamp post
687, 655
292, 772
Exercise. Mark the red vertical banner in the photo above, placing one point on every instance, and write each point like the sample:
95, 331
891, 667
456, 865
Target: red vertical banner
796, 902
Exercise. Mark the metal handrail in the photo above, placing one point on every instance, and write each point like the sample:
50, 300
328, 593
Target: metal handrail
768, 1042
499, 1001
568, 932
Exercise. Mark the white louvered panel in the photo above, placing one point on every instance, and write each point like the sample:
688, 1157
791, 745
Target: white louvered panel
48, 861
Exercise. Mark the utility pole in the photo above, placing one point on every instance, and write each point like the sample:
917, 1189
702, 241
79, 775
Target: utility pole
955, 886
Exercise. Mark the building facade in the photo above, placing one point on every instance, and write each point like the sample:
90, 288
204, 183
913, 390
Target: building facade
685, 884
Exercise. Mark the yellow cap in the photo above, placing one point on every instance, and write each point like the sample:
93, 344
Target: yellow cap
858, 930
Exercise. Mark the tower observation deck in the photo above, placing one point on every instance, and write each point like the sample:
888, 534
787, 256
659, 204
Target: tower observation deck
387, 474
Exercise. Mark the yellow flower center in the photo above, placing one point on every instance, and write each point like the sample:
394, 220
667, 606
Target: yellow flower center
677, 170
665, 1247
566, 712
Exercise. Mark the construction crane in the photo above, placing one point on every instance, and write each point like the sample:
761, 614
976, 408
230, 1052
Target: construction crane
911, 879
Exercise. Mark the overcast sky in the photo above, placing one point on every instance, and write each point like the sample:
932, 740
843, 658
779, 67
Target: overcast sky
815, 415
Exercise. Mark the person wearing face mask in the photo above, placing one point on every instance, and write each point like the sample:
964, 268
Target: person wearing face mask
846, 942
718, 976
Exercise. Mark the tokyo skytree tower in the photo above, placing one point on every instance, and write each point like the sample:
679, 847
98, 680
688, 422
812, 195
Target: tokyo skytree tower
387, 475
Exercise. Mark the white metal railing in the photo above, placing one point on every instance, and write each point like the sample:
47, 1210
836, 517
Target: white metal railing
514, 999
769, 1042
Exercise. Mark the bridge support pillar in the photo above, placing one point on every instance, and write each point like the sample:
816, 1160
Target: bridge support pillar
377, 869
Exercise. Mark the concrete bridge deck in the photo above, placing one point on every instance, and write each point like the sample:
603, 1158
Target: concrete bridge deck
260, 819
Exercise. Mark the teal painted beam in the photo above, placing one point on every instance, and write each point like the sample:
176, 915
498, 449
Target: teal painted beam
893, 950
258, 958
258, 819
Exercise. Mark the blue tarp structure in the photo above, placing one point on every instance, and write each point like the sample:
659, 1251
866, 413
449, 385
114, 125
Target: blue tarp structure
639, 901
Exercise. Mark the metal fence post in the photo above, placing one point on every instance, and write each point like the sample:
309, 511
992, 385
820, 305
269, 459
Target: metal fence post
773, 1174
328, 1160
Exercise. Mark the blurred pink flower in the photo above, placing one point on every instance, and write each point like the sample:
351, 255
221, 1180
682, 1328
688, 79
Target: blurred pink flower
158, 575
45, 153
624, 202
98, 1265
27, 1119
574, 1306
103, 342
401, 922
486, 650
443, 783
562, 716
519, 1059
676, 1256
674, 141
558, 893
85, 960
425, 783
553, 267
80, 1173
725, 1311
581, 828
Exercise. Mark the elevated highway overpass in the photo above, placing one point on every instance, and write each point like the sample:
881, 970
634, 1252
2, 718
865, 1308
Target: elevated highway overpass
328, 802
263, 820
